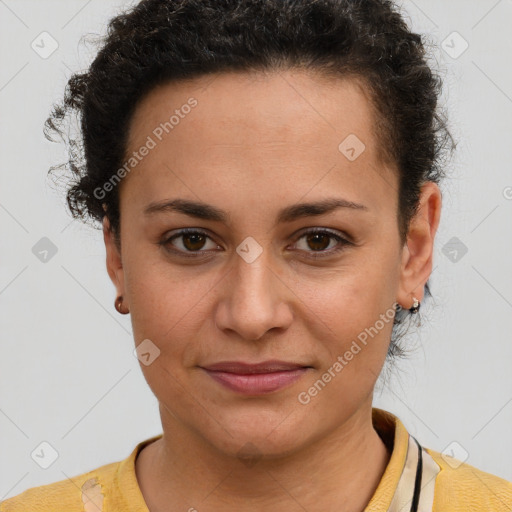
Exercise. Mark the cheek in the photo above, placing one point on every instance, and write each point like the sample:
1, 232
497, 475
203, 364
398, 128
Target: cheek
170, 306
168, 310
350, 314
355, 323
350, 297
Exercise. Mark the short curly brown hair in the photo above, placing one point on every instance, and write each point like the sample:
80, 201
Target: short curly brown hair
160, 41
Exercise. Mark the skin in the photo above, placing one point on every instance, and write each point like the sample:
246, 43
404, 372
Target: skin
254, 144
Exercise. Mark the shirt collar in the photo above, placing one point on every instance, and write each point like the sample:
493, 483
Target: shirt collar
408, 482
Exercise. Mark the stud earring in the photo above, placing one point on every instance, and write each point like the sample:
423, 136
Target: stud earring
118, 303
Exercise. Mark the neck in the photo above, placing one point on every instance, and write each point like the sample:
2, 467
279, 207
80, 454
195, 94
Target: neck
341, 471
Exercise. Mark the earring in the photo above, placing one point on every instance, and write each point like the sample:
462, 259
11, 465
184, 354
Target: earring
415, 306
118, 303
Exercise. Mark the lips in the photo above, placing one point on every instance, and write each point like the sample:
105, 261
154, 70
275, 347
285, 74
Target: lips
248, 368
255, 378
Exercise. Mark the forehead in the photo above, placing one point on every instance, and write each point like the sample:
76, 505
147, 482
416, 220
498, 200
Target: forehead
298, 104
272, 132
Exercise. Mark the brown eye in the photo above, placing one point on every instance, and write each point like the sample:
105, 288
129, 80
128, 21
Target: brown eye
189, 241
193, 242
318, 241
321, 241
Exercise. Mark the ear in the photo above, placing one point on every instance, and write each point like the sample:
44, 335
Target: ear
418, 251
114, 262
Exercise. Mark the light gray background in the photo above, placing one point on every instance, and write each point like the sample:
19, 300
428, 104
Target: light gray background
67, 372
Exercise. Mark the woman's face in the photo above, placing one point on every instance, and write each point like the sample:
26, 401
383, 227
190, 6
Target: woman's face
238, 157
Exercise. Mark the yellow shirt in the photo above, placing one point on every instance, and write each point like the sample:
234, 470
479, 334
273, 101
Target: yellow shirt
442, 484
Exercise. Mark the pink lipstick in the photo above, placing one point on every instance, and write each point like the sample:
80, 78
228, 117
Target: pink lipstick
256, 379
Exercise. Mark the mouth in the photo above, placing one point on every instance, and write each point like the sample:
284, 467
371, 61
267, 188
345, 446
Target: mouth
256, 379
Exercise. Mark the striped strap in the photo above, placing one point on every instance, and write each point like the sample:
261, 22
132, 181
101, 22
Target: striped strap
415, 489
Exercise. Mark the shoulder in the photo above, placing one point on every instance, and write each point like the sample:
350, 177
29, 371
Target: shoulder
109, 487
79, 493
460, 486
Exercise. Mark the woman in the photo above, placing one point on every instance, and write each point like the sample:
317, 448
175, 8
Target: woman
266, 174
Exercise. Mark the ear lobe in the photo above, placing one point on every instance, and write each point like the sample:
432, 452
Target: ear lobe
417, 253
113, 258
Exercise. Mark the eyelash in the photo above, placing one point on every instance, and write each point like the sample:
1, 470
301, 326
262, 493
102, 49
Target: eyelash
342, 242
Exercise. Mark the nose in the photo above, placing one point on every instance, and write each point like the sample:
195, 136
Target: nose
254, 300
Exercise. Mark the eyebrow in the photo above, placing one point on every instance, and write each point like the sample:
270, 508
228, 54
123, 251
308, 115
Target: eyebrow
206, 211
